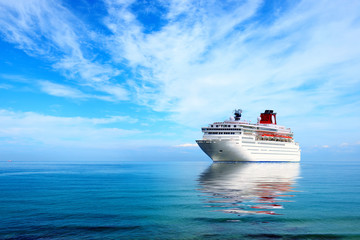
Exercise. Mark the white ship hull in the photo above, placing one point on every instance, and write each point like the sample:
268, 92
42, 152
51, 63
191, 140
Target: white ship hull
251, 151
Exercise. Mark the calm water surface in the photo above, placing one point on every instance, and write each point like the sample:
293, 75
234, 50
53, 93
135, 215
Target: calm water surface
180, 200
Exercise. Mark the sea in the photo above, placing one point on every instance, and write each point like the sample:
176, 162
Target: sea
190, 199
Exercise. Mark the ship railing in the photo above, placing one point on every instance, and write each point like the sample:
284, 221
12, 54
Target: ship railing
233, 122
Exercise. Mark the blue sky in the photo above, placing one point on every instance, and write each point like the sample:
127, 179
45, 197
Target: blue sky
129, 75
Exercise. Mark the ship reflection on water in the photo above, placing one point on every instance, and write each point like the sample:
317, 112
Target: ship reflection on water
249, 188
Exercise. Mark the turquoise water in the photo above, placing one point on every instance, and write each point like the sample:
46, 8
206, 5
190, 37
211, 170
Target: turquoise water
180, 200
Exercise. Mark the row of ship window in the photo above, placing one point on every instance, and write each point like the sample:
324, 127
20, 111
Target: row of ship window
222, 129
227, 133
230, 126
222, 125
274, 139
250, 127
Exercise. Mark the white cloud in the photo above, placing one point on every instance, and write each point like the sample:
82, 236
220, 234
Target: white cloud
15, 78
48, 30
5, 86
31, 128
186, 145
208, 61
61, 90
115, 91
347, 145
208, 58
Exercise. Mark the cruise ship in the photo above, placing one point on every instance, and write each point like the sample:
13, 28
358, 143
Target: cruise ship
236, 140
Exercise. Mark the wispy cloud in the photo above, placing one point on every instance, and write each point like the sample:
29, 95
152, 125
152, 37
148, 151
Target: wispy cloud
5, 86
38, 129
207, 57
198, 60
215, 53
60, 90
186, 145
48, 30
15, 78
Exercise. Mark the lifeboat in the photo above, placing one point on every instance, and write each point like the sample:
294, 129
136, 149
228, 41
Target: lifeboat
276, 136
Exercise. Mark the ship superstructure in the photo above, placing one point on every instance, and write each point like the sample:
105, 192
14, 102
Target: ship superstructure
237, 140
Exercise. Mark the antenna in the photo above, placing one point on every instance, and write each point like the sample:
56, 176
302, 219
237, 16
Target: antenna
237, 114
